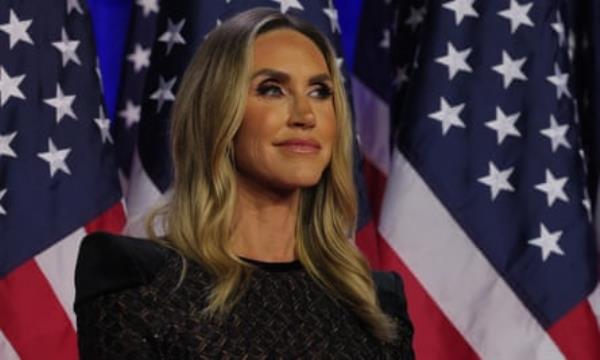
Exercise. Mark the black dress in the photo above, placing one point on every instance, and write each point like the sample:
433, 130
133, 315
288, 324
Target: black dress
127, 309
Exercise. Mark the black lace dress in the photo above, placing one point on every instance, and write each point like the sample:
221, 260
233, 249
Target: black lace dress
127, 309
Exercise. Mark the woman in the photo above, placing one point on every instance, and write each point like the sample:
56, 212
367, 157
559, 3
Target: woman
256, 260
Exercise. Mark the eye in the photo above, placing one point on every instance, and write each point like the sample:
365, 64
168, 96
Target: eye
269, 90
322, 91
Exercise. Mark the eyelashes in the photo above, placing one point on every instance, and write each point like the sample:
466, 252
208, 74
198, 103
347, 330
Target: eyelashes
271, 89
323, 91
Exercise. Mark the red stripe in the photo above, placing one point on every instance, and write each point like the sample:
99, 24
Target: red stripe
112, 220
366, 241
367, 236
376, 182
33, 319
435, 336
577, 334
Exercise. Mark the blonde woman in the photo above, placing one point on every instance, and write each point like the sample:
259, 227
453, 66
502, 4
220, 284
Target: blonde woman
256, 262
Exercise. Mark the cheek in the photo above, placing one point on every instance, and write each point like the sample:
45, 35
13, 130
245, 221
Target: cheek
255, 126
255, 134
248, 144
262, 119
328, 126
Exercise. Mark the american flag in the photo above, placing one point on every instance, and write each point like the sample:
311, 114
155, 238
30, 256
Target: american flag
157, 57
58, 178
471, 116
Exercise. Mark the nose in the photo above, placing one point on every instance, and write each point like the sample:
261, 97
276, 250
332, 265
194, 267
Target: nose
302, 113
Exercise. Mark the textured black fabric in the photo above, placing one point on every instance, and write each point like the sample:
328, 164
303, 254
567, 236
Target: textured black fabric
127, 309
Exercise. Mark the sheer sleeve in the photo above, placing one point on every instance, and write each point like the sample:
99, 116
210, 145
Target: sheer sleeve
405, 327
115, 327
116, 318
392, 300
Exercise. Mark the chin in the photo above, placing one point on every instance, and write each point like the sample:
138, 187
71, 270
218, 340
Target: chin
298, 182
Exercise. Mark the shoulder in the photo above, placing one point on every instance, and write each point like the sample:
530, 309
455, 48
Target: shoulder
108, 263
392, 300
390, 292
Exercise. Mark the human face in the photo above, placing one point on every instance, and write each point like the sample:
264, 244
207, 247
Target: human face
289, 127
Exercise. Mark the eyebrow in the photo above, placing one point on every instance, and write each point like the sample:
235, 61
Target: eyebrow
284, 77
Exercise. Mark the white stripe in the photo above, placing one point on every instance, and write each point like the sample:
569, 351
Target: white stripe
57, 263
595, 296
597, 218
455, 273
142, 196
6, 350
594, 300
124, 181
372, 124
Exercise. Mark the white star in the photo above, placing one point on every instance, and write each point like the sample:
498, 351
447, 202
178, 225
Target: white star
571, 45
140, 58
461, 9
448, 115
74, 5
576, 111
504, 125
131, 114
548, 242
517, 14
401, 76
99, 74
5, 149
416, 57
559, 27
56, 158
104, 126
553, 187
386, 41
148, 6
587, 205
417, 16
332, 14
455, 60
2, 193
339, 62
289, 4
164, 91
497, 180
9, 87
16, 30
67, 48
219, 22
557, 134
173, 34
583, 158
62, 103
510, 69
561, 81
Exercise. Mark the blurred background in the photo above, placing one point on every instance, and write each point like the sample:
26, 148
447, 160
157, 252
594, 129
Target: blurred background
111, 19
477, 128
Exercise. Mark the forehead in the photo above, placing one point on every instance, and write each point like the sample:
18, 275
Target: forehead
286, 49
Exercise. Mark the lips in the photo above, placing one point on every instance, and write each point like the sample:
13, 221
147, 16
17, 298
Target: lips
306, 146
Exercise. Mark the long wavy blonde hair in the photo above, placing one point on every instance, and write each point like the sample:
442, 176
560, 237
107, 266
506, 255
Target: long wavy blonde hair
208, 111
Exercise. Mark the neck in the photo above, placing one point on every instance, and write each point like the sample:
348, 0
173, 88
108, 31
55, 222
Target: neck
264, 222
